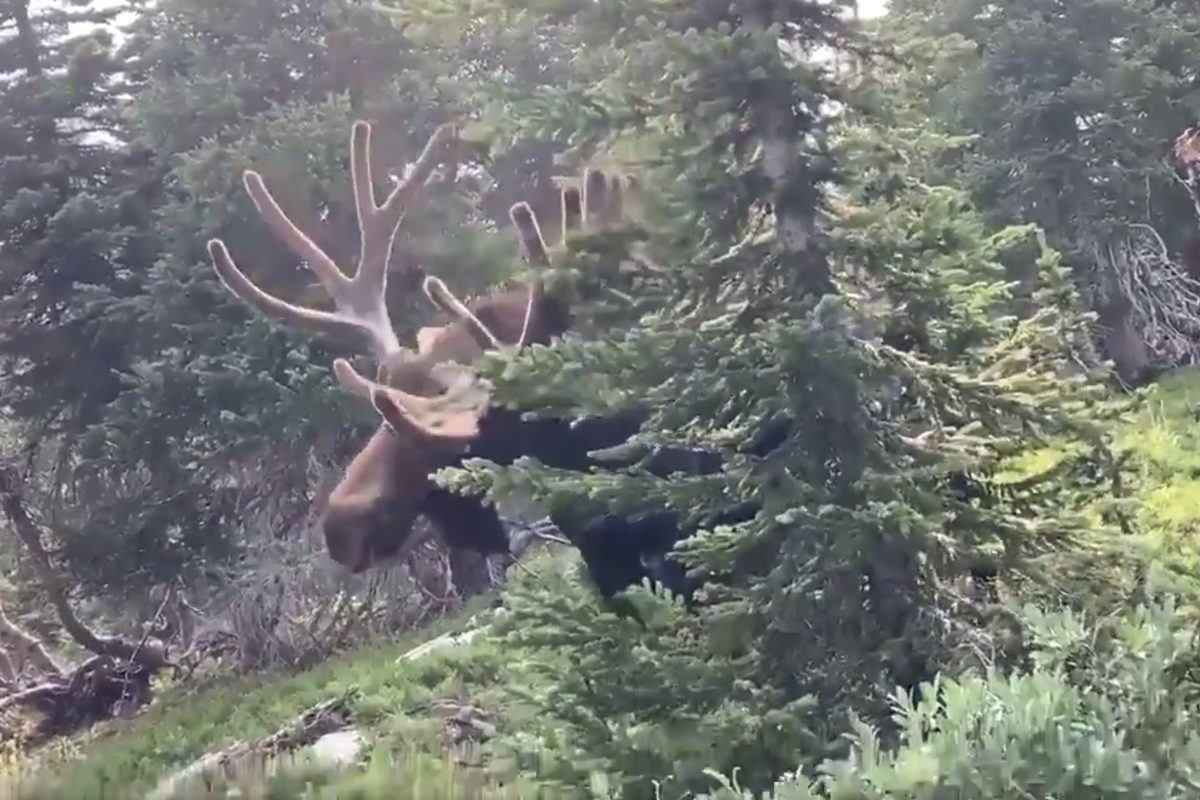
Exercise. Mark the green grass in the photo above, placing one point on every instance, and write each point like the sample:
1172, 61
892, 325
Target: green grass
407, 751
407, 754
127, 758
387, 776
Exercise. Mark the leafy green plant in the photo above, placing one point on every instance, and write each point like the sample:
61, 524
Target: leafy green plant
1108, 709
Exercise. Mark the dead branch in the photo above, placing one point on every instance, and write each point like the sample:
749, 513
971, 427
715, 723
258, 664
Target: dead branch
116, 679
240, 757
99, 688
8, 672
31, 647
211, 643
12, 502
1164, 300
176, 618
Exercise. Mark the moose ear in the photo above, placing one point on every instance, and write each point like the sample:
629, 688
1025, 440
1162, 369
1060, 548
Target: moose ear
391, 412
442, 426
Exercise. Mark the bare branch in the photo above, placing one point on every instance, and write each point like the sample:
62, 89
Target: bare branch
52, 583
33, 648
1164, 299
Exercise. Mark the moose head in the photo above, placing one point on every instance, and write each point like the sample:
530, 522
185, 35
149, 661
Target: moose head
432, 406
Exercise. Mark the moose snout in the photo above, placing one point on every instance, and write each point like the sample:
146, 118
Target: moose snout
358, 538
347, 548
347, 537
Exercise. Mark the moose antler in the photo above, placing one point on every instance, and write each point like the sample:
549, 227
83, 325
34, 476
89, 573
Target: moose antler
359, 300
452, 416
428, 394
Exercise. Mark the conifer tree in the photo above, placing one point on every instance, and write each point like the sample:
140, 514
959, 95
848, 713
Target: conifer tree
75, 235
1074, 107
183, 418
800, 275
70, 224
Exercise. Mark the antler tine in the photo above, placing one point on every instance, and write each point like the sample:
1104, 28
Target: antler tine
451, 419
359, 300
572, 210
440, 295
529, 233
264, 202
535, 294
378, 223
241, 286
614, 208
533, 245
595, 199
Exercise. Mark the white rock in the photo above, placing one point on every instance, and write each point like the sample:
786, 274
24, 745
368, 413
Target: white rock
440, 643
338, 748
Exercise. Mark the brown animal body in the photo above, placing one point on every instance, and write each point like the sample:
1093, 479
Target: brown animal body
434, 410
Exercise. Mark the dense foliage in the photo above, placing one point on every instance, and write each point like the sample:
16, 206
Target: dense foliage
1074, 106
972, 568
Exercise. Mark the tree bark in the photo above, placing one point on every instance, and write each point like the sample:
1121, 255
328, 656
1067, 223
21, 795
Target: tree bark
27, 41
795, 215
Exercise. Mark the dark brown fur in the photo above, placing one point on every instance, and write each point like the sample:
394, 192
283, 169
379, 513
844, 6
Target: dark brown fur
386, 485
435, 411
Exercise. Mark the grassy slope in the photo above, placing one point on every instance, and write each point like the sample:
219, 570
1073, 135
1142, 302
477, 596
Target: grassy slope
125, 759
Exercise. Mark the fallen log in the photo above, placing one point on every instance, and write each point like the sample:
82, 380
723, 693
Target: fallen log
445, 641
244, 759
99, 688
114, 680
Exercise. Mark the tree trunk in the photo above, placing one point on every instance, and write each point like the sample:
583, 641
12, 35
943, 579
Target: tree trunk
1123, 342
27, 41
795, 213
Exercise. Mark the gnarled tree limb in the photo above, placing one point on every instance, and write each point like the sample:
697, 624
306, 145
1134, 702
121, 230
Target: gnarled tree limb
35, 651
13, 504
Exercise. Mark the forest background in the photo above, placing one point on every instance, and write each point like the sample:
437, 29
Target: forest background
953, 240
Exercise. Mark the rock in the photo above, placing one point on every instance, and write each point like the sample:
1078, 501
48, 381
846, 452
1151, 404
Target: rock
339, 749
440, 643
244, 759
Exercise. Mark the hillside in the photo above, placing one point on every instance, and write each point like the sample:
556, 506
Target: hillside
390, 698
840, 370
406, 709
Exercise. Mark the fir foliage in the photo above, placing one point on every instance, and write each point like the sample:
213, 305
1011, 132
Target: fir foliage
847, 582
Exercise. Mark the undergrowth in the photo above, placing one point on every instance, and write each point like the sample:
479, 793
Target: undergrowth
1163, 448
126, 758
408, 753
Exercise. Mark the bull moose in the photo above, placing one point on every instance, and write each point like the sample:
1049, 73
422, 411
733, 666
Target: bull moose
435, 412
